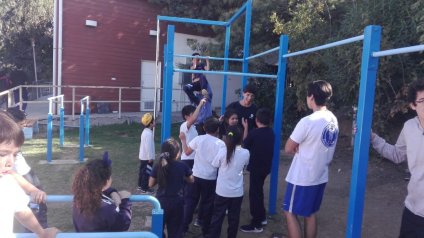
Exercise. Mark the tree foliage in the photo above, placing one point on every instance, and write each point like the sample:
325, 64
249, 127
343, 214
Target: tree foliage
22, 23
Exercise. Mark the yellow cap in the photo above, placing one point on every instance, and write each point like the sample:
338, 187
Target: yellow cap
146, 119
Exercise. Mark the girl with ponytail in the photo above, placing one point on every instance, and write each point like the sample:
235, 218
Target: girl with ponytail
97, 207
229, 185
170, 174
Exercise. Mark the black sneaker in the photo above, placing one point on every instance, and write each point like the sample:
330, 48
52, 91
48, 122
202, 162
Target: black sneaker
197, 223
148, 191
251, 228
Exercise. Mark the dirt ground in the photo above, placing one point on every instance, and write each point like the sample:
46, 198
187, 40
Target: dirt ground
385, 193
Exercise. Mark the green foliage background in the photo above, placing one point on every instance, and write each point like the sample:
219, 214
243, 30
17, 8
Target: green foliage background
310, 23
24, 21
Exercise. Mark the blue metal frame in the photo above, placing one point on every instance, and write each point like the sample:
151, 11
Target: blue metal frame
157, 220
49, 137
278, 119
246, 44
369, 66
273, 76
226, 68
62, 126
84, 127
167, 85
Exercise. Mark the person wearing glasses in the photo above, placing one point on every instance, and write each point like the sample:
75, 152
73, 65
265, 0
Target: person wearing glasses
409, 147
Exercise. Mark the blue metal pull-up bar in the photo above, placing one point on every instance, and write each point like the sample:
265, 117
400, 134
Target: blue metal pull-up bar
326, 46
397, 51
157, 220
226, 73
208, 57
190, 20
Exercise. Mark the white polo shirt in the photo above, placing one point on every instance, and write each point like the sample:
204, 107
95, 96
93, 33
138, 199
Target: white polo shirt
190, 134
230, 176
208, 148
12, 200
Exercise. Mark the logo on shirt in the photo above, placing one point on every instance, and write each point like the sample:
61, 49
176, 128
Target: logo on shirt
329, 135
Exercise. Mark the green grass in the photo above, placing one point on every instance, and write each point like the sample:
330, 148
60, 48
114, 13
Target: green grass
122, 141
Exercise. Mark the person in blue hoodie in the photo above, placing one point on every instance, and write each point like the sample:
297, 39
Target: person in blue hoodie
97, 207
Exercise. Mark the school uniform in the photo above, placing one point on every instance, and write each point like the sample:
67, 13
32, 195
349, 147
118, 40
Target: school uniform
208, 148
146, 154
107, 218
12, 200
229, 192
317, 136
171, 197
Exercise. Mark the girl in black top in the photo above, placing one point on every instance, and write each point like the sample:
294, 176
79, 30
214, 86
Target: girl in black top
170, 174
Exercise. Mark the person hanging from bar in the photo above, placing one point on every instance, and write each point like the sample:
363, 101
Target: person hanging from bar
201, 86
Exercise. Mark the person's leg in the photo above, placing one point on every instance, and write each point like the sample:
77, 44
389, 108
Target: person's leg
190, 204
189, 90
234, 216
311, 226
141, 175
412, 226
220, 204
293, 225
256, 197
174, 222
207, 195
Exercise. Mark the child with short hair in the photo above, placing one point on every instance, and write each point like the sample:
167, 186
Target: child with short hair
208, 148
229, 185
22, 168
146, 154
13, 202
260, 143
93, 210
409, 147
171, 174
312, 142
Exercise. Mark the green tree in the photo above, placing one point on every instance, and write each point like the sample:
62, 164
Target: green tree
24, 22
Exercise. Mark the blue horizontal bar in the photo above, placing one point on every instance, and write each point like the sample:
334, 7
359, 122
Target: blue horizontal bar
326, 46
226, 73
138, 234
238, 13
397, 51
208, 57
133, 198
194, 21
263, 53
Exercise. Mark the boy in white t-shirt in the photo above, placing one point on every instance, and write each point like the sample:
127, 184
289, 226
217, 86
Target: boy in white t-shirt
146, 154
13, 201
208, 148
312, 142
189, 114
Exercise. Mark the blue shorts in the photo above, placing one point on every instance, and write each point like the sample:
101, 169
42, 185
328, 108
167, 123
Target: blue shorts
303, 200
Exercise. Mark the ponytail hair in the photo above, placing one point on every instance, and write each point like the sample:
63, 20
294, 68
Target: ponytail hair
170, 149
88, 183
232, 139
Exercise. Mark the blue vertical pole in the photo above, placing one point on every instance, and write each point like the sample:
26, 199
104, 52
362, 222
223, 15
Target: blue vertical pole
87, 126
369, 68
157, 222
226, 55
278, 121
167, 85
49, 137
165, 50
246, 45
81, 138
62, 126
